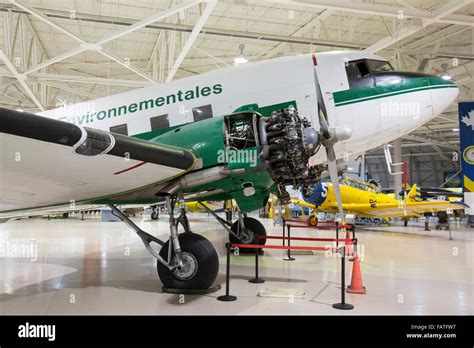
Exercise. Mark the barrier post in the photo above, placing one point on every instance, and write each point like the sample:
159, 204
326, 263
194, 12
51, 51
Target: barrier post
288, 257
227, 297
343, 305
256, 280
284, 226
337, 234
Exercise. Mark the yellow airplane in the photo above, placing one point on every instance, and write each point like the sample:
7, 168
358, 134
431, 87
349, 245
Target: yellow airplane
365, 200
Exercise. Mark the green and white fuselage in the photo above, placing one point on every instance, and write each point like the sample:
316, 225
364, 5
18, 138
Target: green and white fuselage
376, 112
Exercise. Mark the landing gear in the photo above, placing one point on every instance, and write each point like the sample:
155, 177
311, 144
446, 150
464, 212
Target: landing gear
155, 214
243, 231
246, 230
200, 264
190, 265
313, 220
193, 263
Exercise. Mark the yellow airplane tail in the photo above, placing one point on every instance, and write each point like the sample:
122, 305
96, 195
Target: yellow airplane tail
414, 195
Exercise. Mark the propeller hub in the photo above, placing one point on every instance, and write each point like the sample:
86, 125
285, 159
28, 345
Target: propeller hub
342, 133
336, 134
310, 140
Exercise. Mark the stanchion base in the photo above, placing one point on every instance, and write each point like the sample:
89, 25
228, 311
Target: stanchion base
343, 306
256, 280
191, 291
289, 258
227, 298
356, 291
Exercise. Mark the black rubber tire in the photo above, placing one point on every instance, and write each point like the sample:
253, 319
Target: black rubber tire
154, 215
257, 228
206, 257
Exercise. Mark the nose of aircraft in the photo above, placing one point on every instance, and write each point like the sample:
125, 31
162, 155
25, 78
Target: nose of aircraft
318, 195
443, 93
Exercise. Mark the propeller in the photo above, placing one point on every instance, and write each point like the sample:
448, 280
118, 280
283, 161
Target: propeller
330, 136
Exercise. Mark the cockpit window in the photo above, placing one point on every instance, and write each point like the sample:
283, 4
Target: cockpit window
376, 66
361, 72
358, 74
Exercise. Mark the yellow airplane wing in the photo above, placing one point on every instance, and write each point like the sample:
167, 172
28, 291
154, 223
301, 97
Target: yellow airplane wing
400, 209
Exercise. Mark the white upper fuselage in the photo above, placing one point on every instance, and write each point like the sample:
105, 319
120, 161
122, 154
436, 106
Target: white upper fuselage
376, 114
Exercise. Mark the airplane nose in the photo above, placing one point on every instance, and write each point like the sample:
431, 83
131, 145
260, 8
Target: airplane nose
443, 93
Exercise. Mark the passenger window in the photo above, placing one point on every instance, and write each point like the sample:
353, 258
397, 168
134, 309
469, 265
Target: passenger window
358, 74
120, 129
202, 112
159, 122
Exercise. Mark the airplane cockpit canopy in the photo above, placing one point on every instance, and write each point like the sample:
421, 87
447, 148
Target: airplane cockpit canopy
364, 72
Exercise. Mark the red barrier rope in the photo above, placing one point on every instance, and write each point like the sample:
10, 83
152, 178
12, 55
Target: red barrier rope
306, 221
305, 238
322, 227
281, 247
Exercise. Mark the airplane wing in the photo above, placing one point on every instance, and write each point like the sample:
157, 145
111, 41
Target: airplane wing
398, 210
45, 162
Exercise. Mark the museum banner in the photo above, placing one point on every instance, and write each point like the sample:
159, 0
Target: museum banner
466, 132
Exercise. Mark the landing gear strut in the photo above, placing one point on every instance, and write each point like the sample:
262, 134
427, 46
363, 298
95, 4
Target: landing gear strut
190, 265
248, 229
243, 231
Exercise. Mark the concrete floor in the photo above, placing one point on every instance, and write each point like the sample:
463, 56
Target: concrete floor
94, 267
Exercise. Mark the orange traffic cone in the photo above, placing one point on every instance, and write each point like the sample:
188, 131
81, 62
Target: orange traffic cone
356, 286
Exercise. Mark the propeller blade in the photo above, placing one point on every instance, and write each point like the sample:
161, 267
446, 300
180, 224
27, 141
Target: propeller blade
323, 122
332, 168
330, 154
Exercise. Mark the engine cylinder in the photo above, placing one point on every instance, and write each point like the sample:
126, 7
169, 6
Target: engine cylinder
288, 143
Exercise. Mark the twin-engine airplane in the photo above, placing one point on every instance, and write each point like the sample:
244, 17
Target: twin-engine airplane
364, 200
161, 154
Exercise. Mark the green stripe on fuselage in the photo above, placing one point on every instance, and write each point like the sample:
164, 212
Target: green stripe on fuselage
407, 85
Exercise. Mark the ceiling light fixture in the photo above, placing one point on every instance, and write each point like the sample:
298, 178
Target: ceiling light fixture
446, 77
240, 59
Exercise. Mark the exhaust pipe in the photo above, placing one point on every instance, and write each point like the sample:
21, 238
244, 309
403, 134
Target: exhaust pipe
199, 178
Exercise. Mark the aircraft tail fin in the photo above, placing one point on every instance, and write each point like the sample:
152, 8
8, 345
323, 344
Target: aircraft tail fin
414, 195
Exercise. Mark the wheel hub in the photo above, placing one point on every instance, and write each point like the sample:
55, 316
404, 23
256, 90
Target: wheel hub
247, 236
189, 268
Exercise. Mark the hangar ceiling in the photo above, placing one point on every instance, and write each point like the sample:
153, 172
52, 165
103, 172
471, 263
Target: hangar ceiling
57, 52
